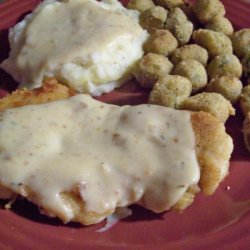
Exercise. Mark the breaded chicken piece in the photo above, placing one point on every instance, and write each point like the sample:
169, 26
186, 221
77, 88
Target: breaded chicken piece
213, 149
50, 91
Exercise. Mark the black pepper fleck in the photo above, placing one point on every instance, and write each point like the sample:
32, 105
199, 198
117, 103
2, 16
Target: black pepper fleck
162, 137
181, 186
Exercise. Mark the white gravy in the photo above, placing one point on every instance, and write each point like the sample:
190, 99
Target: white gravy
115, 155
91, 46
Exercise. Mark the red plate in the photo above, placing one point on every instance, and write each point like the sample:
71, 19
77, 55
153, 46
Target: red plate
221, 221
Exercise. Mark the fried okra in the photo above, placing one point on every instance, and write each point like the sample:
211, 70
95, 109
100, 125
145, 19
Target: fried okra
150, 68
187, 8
245, 100
140, 5
170, 91
194, 71
205, 10
161, 42
220, 24
179, 25
169, 3
192, 51
153, 18
241, 42
229, 87
213, 103
216, 43
224, 65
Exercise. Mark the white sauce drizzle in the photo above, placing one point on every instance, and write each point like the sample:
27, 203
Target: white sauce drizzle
119, 214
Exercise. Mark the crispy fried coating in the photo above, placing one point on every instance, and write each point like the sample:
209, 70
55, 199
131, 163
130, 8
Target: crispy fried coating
191, 51
216, 43
205, 10
228, 86
161, 42
153, 18
224, 65
213, 149
246, 65
220, 24
169, 3
188, 9
50, 91
170, 91
150, 68
213, 103
179, 25
140, 5
241, 42
194, 71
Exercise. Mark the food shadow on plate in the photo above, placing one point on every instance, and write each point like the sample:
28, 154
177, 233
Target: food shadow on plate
27, 210
142, 214
234, 129
7, 83
130, 93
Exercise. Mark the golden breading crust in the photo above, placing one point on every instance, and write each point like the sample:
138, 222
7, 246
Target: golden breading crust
213, 148
50, 91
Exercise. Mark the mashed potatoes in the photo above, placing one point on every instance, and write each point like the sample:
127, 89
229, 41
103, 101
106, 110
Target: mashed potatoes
90, 46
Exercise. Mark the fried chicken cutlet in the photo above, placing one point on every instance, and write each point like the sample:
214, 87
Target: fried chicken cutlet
213, 148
